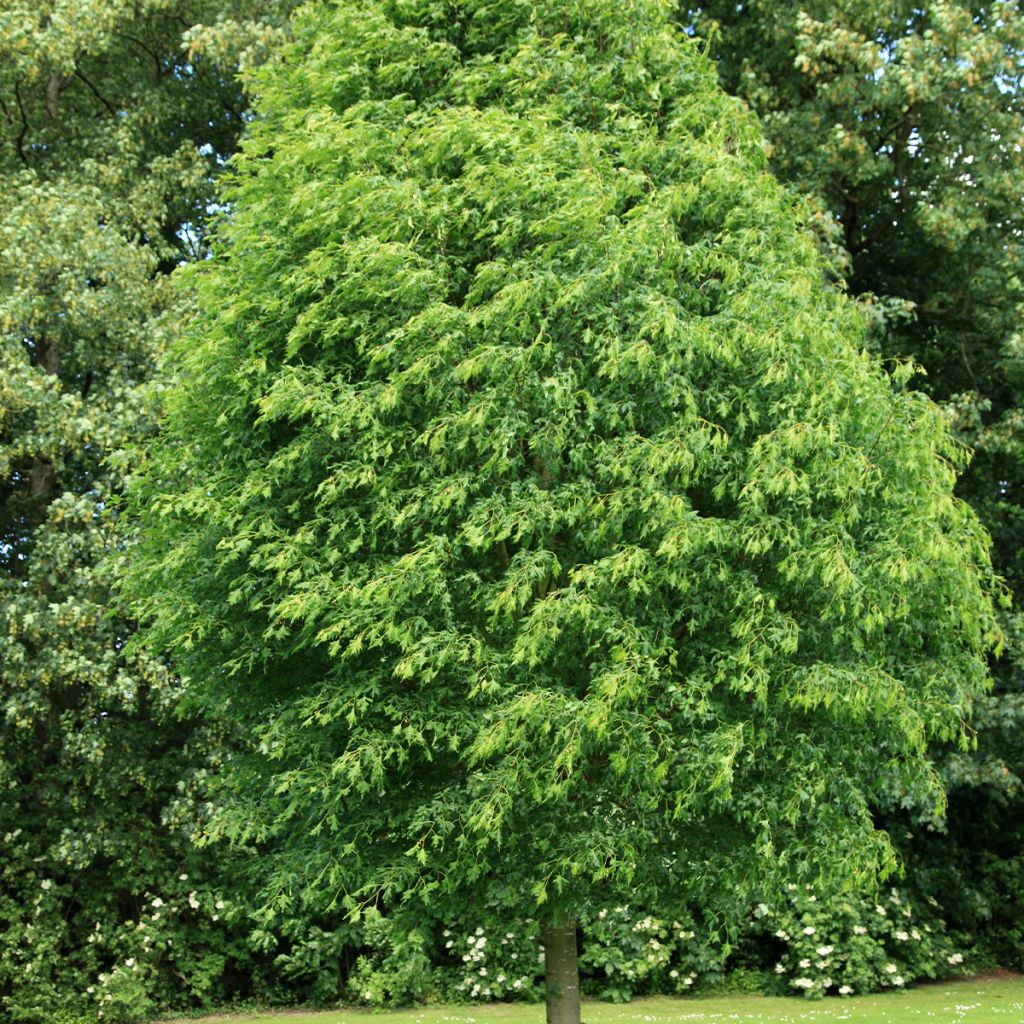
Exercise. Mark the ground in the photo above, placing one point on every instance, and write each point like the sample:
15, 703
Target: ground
988, 1000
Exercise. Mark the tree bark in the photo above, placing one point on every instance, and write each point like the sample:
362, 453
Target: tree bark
41, 476
561, 971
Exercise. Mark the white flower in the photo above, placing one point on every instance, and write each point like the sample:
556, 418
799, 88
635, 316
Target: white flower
891, 968
156, 902
824, 950
780, 969
500, 978
802, 983
809, 930
898, 981
826, 982
479, 931
915, 935
518, 983
780, 934
804, 963
688, 980
859, 929
130, 962
46, 883
465, 958
482, 972
219, 905
448, 944
193, 902
879, 909
182, 878
955, 958
812, 899
673, 973
902, 936
602, 914
514, 956
845, 990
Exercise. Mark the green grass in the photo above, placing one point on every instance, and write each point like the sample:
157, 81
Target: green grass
970, 1002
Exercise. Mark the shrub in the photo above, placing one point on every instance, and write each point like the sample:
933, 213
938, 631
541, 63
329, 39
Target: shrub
845, 945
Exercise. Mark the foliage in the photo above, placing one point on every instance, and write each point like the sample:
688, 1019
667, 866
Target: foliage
836, 945
905, 125
627, 954
109, 137
397, 970
526, 492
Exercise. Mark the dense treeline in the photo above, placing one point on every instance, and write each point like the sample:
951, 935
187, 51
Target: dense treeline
115, 121
112, 126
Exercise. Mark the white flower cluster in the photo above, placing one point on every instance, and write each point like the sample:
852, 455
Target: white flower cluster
484, 980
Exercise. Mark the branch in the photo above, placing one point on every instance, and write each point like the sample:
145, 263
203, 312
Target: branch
19, 142
92, 88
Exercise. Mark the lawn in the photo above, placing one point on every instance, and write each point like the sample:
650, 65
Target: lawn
972, 1002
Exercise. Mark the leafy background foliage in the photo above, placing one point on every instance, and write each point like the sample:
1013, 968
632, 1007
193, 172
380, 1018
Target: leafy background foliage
109, 136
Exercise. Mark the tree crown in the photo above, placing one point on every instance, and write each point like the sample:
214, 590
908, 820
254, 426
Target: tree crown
526, 488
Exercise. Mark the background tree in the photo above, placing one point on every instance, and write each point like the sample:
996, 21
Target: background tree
110, 134
905, 123
527, 495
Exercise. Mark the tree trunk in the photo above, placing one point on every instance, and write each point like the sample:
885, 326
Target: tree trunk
561, 972
41, 476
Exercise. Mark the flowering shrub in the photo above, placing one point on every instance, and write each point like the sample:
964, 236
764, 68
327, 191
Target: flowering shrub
74, 950
177, 935
627, 952
845, 946
406, 962
497, 960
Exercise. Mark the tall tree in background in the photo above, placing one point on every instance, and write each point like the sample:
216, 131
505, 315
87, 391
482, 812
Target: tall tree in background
526, 492
905, 122
110, 131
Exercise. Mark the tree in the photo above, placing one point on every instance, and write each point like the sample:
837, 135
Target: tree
526, 494
905, 125
110, 135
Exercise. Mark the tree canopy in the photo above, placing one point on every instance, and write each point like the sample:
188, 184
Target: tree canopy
527, 491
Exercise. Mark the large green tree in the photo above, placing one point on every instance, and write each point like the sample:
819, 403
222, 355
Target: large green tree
527, 493
905, 123
110, 133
